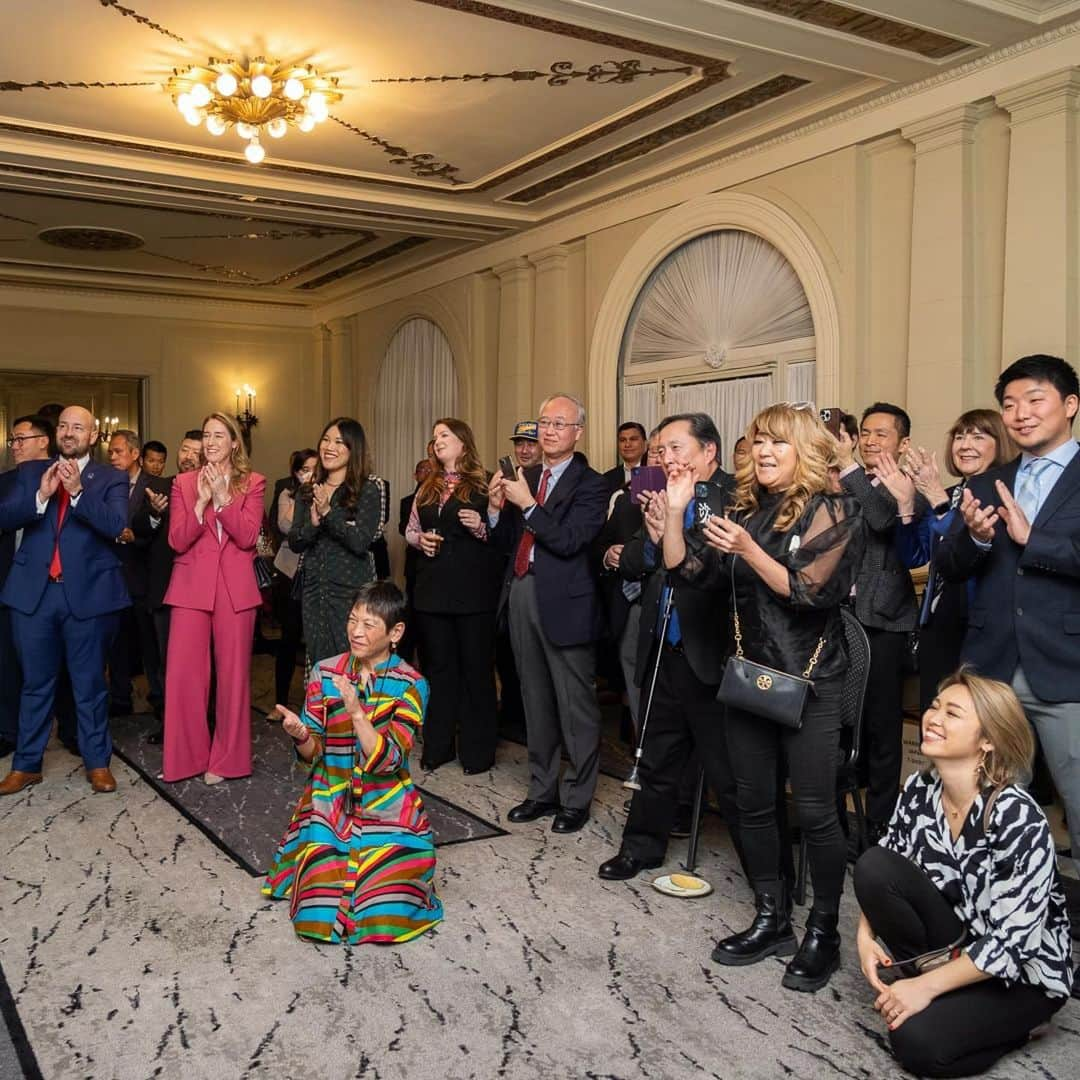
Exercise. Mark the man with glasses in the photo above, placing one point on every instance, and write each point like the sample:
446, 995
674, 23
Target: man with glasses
64, 593
30, 440
547, 519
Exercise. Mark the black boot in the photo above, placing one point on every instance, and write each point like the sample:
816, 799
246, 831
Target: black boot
770, 934
818, 956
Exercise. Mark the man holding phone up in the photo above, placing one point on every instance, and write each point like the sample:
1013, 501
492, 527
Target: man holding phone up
690, 652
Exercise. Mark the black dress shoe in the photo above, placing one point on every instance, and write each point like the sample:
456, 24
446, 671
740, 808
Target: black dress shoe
530, 810
683, 824
6, 747
818, 956
567, 821
770, 934
473, 770
431, 764
156, 737
624, 866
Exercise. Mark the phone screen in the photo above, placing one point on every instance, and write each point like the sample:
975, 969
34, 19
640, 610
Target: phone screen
646, 478
506, 467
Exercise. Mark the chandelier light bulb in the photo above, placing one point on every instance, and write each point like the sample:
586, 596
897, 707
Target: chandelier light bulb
226, 84
254, 152
215, 125
246, 130
200, 95
317, 107
193, 117
306, 122
277, 127
261, 86
184, 102
293, 89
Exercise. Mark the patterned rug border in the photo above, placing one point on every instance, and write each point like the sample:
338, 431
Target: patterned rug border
17, 1033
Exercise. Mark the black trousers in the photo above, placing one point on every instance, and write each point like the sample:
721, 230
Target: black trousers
511, 707
883, 723
757, 748
135, 642
10, 680
290, 618
961, 1033
685, 717
457, 658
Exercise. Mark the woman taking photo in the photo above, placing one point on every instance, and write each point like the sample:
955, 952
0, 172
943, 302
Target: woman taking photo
287, 563
454, 598
357, 861
791, 549
963, 893
214, 518
335, 520
976, 442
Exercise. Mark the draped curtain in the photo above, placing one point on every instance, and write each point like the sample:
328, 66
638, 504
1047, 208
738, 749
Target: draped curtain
800, 382
732, 403
720, 291
417, 384
642, 403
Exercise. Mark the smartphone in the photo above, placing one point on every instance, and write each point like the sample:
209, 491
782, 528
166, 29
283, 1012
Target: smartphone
507, 468
831, 419
646, 478
702, 510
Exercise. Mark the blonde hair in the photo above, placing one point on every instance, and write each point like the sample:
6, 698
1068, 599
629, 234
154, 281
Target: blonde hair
815, 452
1004, 726
238, 459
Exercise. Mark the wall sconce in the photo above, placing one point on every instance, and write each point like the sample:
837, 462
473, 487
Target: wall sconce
247, 418
106, 425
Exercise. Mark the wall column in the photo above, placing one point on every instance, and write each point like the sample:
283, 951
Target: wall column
342, 382
1041, 273
516, 306
941, 326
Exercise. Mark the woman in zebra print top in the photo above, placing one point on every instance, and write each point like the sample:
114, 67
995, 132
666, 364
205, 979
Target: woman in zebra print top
964, 893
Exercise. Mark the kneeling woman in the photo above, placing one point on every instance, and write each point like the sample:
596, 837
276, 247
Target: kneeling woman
357, 861
964, 893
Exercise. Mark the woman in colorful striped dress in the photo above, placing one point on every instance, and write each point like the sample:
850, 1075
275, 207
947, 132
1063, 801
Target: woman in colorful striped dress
357, 862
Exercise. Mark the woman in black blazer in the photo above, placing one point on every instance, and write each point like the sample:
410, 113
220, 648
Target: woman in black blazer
456, 593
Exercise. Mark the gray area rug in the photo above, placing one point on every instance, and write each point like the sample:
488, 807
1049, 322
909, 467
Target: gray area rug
135, 948
247, 817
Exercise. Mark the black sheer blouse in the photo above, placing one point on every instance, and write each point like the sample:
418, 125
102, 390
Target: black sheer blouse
821, 551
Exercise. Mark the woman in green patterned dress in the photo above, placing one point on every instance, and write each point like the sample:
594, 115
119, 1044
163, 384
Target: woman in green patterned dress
334, 523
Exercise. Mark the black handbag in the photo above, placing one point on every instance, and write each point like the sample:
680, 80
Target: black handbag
264, 574
296, 587
764, 691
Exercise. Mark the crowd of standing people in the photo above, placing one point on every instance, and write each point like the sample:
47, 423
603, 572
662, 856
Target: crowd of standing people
718, 598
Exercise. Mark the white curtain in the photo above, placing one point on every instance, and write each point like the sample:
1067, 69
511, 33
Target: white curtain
720, 291
801, 385
417, 384
732, 403
641, 403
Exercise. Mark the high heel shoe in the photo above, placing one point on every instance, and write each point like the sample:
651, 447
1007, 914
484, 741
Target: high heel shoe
210, 779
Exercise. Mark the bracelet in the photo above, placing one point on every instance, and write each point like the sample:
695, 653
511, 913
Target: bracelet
301, 742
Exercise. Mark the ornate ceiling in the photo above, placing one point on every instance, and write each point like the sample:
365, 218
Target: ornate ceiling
461, 121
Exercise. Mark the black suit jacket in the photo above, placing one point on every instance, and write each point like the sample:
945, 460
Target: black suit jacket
564, 527
7, 536
286, 483
159, 556
622, 525
1026, 607
134, 555
411, 554
703, 611
884, 593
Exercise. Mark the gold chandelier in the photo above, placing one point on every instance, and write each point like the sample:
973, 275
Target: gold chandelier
255, 97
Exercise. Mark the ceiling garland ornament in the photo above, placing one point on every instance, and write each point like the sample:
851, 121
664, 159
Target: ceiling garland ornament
131, 13
254, 97
425, 165
8, 86
561, 73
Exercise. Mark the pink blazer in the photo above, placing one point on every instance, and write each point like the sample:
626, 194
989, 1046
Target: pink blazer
199, 553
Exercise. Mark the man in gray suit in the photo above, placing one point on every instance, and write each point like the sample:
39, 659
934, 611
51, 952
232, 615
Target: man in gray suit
884, 604
547, 519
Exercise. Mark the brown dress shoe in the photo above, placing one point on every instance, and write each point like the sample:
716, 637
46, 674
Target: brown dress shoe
101, 780
15, 781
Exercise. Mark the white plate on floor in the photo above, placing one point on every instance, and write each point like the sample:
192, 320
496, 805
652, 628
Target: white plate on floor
682, 888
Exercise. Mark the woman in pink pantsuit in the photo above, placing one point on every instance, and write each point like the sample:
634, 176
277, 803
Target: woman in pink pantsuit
214, 520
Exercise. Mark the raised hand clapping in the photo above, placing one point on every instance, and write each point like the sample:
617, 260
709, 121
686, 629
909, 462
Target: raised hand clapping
980, 520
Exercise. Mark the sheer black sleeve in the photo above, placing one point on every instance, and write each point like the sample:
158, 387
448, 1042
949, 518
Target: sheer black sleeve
822, 567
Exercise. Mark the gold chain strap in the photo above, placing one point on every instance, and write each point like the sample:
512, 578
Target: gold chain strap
814, 658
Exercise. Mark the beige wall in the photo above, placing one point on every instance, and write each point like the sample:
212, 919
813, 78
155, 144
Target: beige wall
191, 368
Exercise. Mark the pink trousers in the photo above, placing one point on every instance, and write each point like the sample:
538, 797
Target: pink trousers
189, 750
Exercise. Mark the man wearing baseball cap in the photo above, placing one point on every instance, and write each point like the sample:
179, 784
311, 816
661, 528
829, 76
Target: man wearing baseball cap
526, 440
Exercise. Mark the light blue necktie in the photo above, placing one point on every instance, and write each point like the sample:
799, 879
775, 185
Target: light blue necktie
1029, 492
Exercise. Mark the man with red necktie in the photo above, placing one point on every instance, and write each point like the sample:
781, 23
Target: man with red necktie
548, 518
64, 591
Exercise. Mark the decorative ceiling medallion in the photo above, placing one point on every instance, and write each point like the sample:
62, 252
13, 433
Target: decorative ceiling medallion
715, 355
90, 238
254, 97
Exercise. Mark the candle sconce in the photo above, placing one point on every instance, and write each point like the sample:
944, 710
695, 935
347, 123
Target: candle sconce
247, 417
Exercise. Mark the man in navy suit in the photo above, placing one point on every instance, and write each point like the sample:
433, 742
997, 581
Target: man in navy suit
547, 520
64, 591
1019, 538
31, 439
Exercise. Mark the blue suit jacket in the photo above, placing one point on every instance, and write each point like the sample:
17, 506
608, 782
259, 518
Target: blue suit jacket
93, 580
1026, 604
7, 536
565, 527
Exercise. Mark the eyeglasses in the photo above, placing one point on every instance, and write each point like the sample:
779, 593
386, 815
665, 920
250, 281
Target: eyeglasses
558, 424
18, 440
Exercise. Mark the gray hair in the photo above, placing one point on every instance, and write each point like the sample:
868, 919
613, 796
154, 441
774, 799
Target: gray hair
130, 437
568, 397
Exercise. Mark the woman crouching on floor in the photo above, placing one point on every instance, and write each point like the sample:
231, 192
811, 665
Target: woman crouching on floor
964, 893
357, 862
